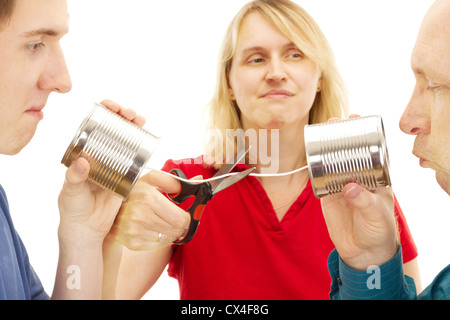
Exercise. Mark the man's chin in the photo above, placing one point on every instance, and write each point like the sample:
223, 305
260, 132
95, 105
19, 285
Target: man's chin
14, 150
17, 145
444, 181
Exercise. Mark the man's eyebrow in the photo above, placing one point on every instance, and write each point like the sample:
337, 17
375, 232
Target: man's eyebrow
418, 71
42, 31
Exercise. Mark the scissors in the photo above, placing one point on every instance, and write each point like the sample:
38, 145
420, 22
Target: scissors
203, 192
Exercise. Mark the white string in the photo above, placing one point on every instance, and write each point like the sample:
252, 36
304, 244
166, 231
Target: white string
278, 174
233, 173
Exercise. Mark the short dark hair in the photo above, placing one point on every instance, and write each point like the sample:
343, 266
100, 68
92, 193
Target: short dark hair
6, 9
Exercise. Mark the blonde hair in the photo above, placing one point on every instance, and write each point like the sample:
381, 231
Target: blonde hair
297, 25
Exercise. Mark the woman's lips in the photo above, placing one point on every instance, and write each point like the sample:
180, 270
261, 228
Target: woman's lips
277, 94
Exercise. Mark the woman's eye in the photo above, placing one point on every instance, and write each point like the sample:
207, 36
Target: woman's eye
296, 55
256, 60
34, 47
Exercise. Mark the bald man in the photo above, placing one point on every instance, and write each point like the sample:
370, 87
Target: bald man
367, 263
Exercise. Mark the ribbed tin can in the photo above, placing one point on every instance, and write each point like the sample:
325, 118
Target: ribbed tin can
117, 150
347, 150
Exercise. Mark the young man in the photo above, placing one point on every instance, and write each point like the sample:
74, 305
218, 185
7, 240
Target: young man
32, 66
361, 223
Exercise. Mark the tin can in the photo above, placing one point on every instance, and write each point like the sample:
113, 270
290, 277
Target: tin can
117, 150
349, 150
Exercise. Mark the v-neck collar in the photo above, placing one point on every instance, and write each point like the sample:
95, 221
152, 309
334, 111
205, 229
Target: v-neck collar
267, 203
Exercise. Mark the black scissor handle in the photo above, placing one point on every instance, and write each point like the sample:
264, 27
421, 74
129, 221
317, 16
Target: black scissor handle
202, 193
190, 234
187, 189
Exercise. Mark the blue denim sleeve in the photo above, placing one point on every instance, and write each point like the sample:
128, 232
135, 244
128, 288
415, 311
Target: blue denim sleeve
385, 282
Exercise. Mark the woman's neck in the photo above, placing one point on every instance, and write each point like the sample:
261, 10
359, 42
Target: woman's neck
278, 150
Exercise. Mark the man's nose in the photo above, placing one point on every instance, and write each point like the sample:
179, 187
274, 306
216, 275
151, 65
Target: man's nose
56, 76
416, 117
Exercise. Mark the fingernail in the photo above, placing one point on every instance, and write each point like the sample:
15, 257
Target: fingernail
352, 193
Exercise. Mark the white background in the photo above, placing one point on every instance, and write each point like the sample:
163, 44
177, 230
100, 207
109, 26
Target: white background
159, 58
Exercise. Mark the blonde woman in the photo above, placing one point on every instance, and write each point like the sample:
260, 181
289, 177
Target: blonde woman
264, 237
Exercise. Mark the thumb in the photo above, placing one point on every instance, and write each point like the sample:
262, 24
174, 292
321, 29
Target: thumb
357, 195
76, 175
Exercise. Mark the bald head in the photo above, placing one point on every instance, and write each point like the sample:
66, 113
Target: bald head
437, 20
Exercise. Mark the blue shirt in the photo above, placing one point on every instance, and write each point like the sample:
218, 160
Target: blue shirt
18, 281
382, 283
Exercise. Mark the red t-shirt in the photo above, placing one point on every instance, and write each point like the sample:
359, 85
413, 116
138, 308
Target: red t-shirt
242, 251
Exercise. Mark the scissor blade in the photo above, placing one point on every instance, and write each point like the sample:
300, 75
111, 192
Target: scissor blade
229, 166
226, 182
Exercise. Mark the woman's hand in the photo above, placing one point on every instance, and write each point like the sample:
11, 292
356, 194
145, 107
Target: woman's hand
148, 219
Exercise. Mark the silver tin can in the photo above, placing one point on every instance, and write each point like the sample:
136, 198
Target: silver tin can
347, 150
117, 150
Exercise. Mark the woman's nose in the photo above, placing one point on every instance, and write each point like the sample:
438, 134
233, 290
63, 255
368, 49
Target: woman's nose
276, 71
